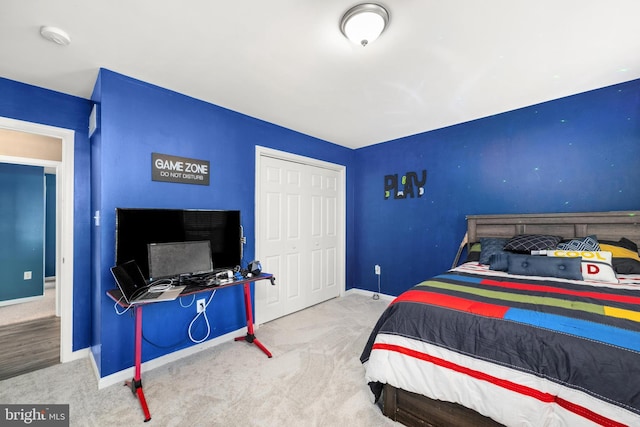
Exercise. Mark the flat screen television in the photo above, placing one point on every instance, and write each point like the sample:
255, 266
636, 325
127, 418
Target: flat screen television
136, 228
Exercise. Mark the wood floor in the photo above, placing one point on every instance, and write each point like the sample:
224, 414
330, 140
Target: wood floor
29, 346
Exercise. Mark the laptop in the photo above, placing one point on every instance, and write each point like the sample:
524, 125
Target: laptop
135, 288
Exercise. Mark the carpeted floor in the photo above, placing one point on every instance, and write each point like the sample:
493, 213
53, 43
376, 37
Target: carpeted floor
42, 307
314, 379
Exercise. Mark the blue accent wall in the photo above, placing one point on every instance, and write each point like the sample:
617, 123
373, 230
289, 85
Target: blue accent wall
21, 231
137, 119
575, 154
33, 104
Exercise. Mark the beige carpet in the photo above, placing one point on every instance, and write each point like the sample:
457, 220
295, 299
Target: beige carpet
314, 379
22, 312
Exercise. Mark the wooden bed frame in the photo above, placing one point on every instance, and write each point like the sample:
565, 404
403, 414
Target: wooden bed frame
412, 409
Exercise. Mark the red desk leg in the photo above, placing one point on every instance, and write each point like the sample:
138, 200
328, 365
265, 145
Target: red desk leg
136, 383
250, 337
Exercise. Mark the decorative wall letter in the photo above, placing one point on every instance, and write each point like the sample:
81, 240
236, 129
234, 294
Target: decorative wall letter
408, 186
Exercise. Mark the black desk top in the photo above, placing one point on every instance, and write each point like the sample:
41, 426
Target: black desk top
194, 289
116, 295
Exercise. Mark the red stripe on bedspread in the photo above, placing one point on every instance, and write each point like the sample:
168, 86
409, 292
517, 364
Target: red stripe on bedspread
509, 385
551, 289
442, 300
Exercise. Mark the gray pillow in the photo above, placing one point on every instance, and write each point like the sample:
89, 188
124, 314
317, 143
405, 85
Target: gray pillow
532, 265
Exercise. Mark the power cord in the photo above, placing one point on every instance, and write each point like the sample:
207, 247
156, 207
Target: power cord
376, 270
193, 299
206, 320
116, 304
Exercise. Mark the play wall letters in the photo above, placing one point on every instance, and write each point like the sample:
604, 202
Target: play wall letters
408, 186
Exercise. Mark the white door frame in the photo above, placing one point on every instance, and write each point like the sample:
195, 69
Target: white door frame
342, 215
64, 223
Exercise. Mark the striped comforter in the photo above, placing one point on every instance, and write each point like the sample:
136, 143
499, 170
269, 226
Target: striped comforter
521, 350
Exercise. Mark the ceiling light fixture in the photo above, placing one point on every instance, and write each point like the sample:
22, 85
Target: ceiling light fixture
364, 23
55, 35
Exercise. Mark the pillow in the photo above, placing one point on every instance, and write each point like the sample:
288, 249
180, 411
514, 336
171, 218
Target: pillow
595, 265
624, 243
474, 253
532, 242
532, 265
625, 256
589, 243
499, 261
490, 246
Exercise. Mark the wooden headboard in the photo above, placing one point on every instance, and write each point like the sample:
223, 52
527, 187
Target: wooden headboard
605, 225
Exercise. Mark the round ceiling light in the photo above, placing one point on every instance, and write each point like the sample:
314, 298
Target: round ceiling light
55, 35
364, 23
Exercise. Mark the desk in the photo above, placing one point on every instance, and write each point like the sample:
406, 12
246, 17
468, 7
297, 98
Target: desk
136, 383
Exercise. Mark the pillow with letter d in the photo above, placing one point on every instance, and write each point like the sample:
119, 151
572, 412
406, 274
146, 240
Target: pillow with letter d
595, 265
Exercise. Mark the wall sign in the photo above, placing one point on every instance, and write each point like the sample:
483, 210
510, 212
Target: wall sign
409, 185
179, 169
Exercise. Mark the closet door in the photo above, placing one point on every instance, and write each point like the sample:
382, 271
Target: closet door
299, 231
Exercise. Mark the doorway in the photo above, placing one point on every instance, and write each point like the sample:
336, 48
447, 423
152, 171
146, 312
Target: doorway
300, 232
64, 220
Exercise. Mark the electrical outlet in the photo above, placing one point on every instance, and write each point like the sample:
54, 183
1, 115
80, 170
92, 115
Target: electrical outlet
377, 269
27, 275
200, 307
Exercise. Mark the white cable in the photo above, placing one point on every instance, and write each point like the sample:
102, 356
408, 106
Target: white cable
115, 307
160, 285
206, 319
377, 296
193, 299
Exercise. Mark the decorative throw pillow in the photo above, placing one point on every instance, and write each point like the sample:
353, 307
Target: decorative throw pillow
499, 261
490, 246
589, 243
532, 242
595, 265
532, 265
625, 255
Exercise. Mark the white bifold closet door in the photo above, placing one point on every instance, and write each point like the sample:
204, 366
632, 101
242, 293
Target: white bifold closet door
300, 226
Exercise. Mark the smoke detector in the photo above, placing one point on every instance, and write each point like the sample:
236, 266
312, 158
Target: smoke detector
55, 35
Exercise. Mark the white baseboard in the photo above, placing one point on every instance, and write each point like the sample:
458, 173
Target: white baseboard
383, 297
76, 355
127, 374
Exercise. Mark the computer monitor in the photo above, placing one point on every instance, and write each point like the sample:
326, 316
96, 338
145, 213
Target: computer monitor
175, 259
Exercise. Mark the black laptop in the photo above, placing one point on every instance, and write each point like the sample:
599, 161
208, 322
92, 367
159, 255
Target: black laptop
135, 288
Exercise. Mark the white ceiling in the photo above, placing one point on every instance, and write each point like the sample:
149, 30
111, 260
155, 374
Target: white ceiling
285, 61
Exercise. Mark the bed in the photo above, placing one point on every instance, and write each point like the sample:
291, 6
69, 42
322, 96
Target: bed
517, 334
